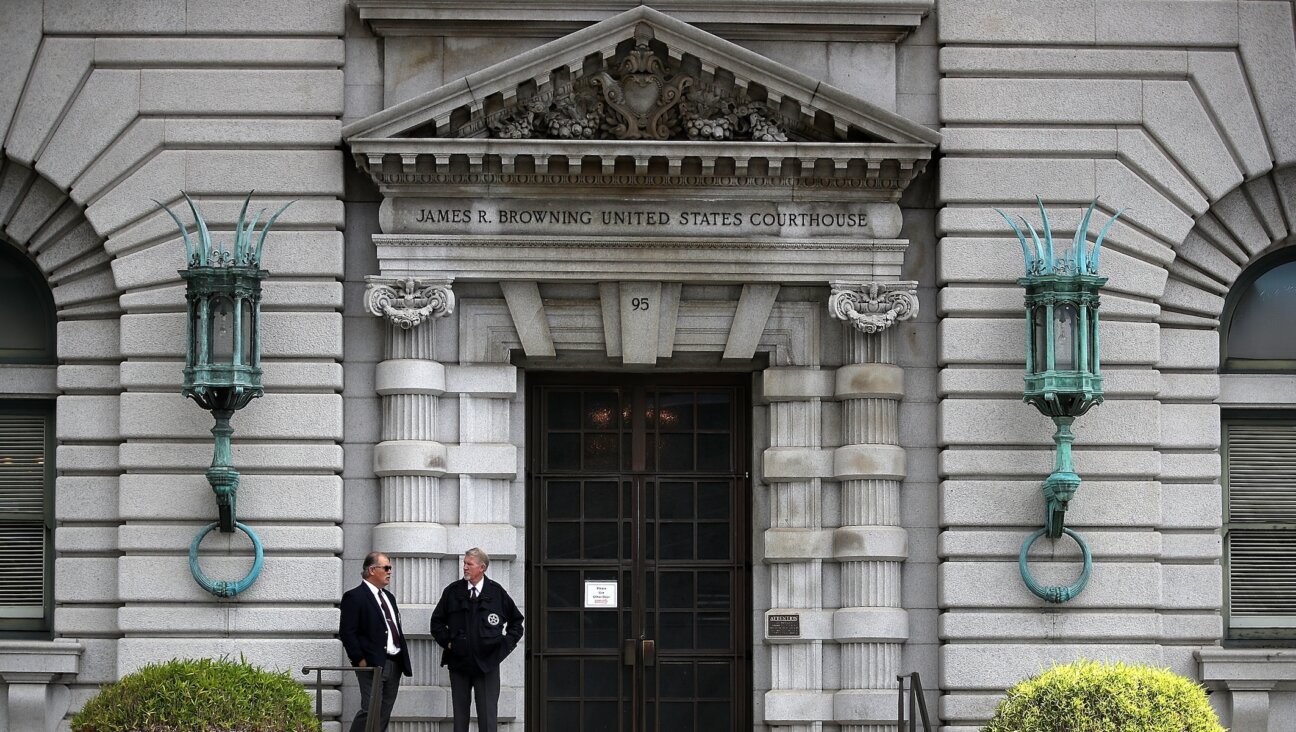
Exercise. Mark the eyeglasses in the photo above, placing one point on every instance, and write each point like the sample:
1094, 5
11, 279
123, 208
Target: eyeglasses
383, 567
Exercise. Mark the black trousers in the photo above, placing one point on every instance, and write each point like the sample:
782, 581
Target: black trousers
391, 674
486, 689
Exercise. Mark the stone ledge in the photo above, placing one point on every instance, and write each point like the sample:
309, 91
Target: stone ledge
1243, 668
482, 380
869, 462
787, 706
783, 464
871, 625
28, 668
47, 658
795, 384
1255, 679
484, 460
869, 380
409, 376
864, 706
421, 539
427, 457
870, 543
797, 545
877, 20
29, 380
409, 457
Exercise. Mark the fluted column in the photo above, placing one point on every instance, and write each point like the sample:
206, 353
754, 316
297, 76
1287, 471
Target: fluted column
491, 496
794, 550
409, 461
871, 626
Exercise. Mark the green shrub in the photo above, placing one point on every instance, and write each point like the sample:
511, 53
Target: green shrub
1087, 696
199, 695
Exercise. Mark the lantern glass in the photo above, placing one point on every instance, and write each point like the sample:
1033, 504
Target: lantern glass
1066, 331
195, 328
1040, 340
221, 330
1092, 365
245, 333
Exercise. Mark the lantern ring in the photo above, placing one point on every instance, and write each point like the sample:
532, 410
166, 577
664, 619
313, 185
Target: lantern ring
221, 588
1055, 593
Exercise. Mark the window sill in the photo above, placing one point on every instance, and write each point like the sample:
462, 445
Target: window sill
1248, 668
25, 660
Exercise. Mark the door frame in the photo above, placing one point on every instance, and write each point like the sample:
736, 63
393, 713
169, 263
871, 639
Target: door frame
743, 693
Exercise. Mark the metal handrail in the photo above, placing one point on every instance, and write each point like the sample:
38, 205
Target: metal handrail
375, 693
915, 699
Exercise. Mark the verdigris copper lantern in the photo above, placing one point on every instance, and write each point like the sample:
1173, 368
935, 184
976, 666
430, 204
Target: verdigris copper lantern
1063, 374
223, 358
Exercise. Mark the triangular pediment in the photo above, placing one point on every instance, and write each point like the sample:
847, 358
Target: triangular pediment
641, 75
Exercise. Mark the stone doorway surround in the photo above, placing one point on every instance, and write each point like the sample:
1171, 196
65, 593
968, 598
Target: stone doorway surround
502, 250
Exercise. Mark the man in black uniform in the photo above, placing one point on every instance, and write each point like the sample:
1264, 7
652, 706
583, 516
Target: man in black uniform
370, 630
478, 625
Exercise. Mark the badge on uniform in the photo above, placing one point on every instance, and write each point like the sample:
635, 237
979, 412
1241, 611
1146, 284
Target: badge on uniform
493, 619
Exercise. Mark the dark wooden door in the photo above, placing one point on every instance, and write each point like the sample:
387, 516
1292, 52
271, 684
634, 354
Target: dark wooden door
638, 490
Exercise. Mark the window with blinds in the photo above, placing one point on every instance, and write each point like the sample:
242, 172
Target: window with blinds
26, 526
1260, 527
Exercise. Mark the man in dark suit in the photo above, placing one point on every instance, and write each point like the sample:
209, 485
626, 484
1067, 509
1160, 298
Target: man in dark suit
478, 625
370, 630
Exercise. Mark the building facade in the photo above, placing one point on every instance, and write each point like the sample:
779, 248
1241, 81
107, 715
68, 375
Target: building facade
697, 317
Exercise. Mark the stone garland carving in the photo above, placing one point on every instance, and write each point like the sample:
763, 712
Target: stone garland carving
643, 99
573, 119
871, 307
408, 302
711, 115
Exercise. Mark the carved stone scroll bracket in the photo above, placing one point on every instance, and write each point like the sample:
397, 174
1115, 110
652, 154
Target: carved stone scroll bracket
407, 302
871, 307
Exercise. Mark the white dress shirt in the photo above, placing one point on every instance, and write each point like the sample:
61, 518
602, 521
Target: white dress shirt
392, 649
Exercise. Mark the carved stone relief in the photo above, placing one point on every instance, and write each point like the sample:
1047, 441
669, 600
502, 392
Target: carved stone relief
647, 97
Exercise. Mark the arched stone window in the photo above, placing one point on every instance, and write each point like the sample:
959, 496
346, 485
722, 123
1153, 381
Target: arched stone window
1258, 318
1258, 445
27, 360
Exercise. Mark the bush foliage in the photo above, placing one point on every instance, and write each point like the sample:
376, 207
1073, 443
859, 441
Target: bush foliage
199, 695
1087, 696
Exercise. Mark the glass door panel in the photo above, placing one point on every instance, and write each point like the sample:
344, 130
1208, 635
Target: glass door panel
638, 492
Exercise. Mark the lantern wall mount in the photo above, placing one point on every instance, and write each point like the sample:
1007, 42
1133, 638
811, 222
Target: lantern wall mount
223, 359
1063, 374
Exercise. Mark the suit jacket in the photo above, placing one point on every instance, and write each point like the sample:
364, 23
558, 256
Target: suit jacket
476, 634
363, 629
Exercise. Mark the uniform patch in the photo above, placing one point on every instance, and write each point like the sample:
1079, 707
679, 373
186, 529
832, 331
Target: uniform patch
493, 619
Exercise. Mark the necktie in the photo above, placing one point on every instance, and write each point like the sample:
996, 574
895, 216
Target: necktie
391, 624
472, 594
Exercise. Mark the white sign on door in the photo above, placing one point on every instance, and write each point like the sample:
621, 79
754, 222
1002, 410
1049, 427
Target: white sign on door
601, 594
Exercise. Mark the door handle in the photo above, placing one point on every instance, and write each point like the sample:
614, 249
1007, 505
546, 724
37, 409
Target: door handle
632, 651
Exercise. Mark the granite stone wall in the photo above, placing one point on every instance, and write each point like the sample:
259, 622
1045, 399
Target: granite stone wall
103, 108
1180, 110
1172, 109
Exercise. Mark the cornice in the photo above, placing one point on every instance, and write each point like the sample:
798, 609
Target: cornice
815, 20
418, 164
448, 107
